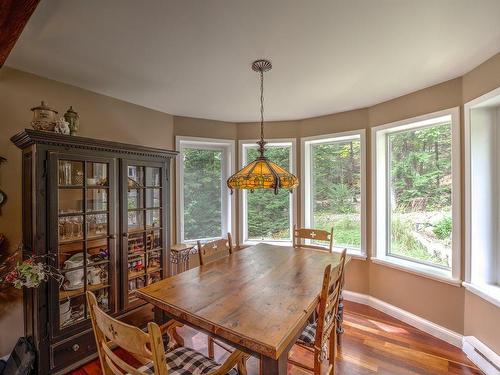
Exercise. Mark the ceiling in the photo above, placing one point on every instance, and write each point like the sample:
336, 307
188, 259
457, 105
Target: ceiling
192, 58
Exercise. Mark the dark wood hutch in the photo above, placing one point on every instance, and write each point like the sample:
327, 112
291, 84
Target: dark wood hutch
100, 210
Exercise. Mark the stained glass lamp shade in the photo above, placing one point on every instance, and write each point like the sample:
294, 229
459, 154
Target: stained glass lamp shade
262, 173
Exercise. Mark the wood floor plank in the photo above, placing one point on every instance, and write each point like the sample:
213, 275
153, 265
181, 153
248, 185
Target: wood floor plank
373, 343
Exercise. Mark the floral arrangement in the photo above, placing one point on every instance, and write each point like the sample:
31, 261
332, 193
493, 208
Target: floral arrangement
29, 274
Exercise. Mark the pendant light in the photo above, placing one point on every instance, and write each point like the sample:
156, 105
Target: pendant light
262, 173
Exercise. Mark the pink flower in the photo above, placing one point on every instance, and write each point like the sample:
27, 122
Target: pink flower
11, 276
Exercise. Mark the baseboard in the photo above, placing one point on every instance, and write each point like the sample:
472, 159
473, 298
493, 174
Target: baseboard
482, 356
416, 321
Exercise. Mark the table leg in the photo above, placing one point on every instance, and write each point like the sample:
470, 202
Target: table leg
159, 316
269, 366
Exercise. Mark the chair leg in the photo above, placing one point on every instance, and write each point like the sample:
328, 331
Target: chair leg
242, 365
332, 355
317, 362
211, 347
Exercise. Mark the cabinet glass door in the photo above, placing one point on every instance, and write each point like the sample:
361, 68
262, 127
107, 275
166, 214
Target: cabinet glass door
85, 246
145, 227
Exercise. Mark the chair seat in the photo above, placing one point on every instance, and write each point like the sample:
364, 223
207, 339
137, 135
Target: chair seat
308, 335
186, 361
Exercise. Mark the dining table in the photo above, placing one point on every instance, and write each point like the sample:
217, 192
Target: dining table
258, 300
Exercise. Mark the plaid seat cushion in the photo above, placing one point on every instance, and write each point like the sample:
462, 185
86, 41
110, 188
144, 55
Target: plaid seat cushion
186, 361
308, 335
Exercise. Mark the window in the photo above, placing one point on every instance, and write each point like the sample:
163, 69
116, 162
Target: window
203, 200
417, 199
333, 187
482, 158
266, 216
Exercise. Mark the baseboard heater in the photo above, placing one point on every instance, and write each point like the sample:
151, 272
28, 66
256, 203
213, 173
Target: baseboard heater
482, 356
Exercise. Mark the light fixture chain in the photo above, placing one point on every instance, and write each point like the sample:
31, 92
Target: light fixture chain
262, 106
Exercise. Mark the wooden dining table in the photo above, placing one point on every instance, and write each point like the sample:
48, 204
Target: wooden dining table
257, 300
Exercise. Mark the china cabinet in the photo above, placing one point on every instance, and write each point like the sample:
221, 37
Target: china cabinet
99, 211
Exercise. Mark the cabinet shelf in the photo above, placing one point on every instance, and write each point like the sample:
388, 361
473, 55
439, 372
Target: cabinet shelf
89, 265
135, 274
67, 294
71, 241
153, 250
153, 269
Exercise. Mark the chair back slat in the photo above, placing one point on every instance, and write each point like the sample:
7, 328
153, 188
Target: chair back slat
214, 250
143, 346
301, 235
329, 301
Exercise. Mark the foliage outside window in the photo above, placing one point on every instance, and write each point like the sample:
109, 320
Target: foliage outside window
420, 194
202, 203
336, 190
268, 216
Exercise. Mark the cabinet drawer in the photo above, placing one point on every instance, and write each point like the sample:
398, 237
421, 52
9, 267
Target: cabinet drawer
73, 350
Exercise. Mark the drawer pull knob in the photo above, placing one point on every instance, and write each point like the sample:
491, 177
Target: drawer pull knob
75, 347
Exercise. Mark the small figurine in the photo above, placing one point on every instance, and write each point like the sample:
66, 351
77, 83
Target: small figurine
62, 126
73, 120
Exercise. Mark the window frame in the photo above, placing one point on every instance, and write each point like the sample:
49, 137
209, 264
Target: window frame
243, 227
381, 187
228, 217
489, 292
306, 181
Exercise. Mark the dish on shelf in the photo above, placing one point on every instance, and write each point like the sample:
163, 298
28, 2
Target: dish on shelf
76, 260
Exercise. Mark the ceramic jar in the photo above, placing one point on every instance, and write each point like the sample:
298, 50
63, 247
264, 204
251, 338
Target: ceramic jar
73, 120
44, 117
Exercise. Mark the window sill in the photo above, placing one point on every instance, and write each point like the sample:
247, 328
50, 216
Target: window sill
490, 293
277, 243
418, 269
352, 253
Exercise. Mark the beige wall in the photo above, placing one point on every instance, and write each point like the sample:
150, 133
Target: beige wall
195, 127
481, 318
481, 79
101, 117
104, 117
436, 301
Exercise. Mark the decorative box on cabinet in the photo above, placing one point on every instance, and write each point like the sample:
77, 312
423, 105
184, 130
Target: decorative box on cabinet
100, 211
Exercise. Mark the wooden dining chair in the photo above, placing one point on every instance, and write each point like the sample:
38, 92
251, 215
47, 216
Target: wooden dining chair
210, 252
320, 337
214, 250
147, 348
301, 235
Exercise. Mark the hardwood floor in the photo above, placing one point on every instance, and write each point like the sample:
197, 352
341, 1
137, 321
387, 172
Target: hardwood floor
373, 343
